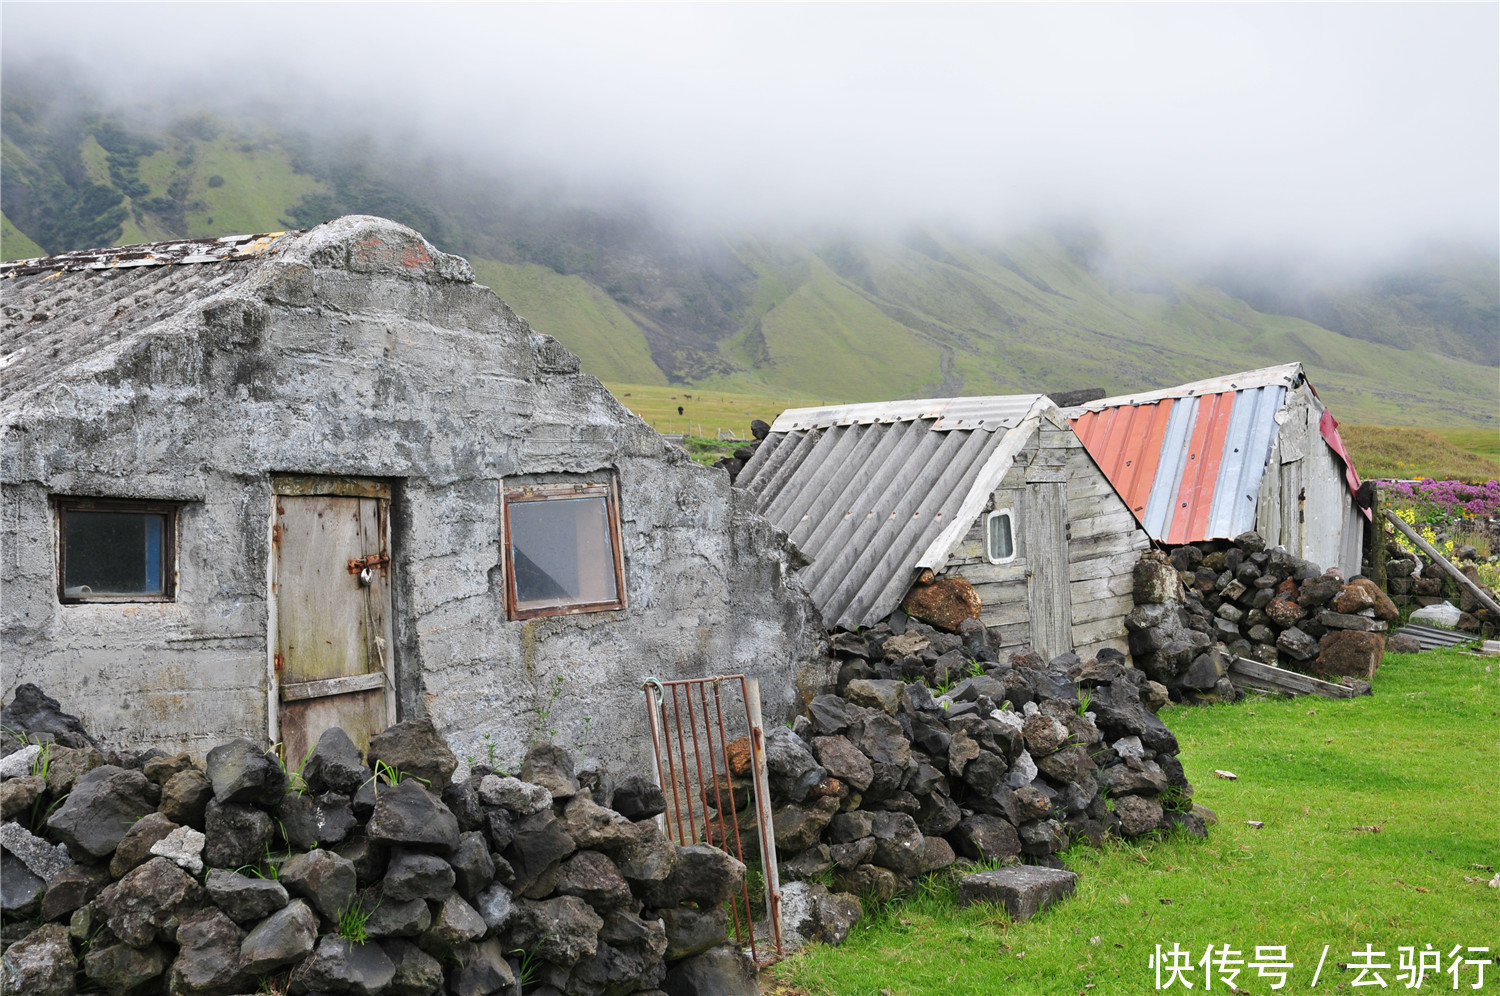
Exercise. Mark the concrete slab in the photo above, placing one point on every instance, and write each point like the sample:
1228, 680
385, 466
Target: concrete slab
1024, 890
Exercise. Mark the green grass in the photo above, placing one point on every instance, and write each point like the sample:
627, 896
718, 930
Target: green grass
1405, 453
1420, 759
705, 411
14, 244
1485, 442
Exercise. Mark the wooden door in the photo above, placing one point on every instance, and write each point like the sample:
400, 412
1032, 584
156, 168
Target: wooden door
1045, 523
331, 578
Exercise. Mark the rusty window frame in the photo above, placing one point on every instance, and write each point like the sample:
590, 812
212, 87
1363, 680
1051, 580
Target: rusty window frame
554, 492
169, 543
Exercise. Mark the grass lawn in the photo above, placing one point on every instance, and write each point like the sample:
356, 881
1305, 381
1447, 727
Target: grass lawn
705, 410
1420, 760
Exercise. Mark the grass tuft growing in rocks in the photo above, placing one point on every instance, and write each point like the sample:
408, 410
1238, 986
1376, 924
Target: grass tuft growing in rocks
1377, 827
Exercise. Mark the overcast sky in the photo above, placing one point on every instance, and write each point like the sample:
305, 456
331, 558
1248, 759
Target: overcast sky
1344, 129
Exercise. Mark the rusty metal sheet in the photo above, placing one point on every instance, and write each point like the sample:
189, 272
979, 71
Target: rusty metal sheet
1190, 461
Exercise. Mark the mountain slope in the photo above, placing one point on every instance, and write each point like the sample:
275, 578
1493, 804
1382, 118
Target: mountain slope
850, 317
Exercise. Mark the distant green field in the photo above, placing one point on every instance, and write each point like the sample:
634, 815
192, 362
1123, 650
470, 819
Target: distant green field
1485, 442
1405, 453
705, 412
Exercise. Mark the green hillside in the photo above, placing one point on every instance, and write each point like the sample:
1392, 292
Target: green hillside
580, 315
841, 317
14, 244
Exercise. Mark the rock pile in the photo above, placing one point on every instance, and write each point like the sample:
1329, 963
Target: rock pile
141, 873
1415, 584
886, 781
1208, 600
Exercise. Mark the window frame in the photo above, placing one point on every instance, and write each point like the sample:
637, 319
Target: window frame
522, 494
63, 504
1015, 548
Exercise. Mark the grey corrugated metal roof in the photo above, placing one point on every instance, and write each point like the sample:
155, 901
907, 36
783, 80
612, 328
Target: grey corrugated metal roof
870, 493
54, 318
1431, 637
993, 412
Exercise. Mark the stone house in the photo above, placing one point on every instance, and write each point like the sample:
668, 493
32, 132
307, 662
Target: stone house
259, 486
1216, 458
995, 490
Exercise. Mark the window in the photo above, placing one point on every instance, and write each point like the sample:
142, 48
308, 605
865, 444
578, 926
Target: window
116, 551
562, 550
999, 538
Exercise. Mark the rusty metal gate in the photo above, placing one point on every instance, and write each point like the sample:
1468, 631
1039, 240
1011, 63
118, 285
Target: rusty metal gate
688, 727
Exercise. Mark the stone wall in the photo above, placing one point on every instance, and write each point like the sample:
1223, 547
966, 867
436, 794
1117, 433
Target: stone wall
1208, 600
930, 751
146, 873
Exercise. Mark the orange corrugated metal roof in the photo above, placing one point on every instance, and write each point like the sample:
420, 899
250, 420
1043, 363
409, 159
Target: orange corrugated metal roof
1188, 461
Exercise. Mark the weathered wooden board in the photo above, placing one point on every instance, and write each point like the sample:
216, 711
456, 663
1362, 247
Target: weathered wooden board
1112, 607
1094, 589
1112, 628
1051, 608
1253, 674
1008, 636
986, 573
1103, 546
331, 630
1109, 565
996, 612
1087, 495
1111, 523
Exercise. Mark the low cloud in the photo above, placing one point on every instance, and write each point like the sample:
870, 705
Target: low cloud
1349, 133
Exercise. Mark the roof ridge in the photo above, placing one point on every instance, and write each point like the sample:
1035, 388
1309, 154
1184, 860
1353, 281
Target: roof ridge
990, 411
1281, 374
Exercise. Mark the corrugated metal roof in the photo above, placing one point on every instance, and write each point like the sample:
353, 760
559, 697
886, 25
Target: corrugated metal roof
870, 493
51, 320
1431, 637
1188, 460
991, 413
1284, 375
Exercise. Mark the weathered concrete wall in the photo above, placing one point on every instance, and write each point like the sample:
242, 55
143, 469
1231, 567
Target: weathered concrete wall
359, 349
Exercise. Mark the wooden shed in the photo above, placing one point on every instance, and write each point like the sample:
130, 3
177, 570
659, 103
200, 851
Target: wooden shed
1216, 458
997, 490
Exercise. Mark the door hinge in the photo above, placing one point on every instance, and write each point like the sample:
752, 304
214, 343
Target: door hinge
364, 563
280, 662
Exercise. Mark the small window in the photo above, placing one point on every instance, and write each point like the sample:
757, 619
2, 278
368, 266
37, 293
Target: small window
999, 539
562, 550
116, 551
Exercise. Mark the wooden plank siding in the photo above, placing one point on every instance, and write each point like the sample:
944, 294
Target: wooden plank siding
1055, 487
1104, 544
